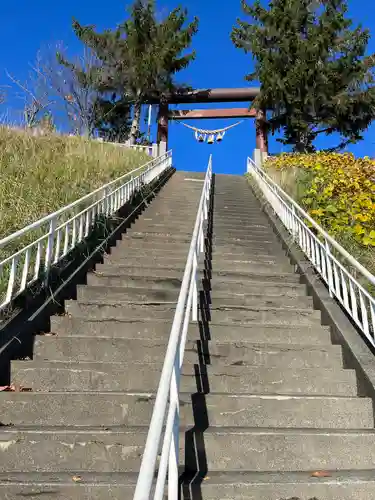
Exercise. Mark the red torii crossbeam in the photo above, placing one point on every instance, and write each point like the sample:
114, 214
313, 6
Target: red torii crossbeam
213, 95
195, 114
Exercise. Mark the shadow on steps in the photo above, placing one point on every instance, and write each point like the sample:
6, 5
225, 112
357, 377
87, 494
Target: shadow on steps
33, 310
195, 451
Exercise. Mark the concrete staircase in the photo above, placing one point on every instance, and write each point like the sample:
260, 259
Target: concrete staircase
265, 398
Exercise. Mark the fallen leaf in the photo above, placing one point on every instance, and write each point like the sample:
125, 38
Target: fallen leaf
76, 479
206, 478
15, 388
321, 473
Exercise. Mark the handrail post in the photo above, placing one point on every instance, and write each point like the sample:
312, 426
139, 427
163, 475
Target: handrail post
195, 288
50, 243
329, 268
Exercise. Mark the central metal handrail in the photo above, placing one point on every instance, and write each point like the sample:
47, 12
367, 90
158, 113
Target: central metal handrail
187, 306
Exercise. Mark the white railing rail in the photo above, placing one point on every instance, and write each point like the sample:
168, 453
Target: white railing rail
327, 256
168, 389
34, 249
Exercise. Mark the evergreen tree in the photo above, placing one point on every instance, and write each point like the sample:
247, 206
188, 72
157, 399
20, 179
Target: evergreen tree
113, 118
311, 64
141, 56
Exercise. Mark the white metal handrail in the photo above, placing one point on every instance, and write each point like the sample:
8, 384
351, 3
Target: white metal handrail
187, 306
321, 250
35, 248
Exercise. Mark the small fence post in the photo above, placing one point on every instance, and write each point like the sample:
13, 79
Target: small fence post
195, 288
105, 201
329, 268
50, 242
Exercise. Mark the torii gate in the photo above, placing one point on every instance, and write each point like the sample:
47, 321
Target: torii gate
214, 95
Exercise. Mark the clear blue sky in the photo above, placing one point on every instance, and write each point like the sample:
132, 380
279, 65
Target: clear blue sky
26, 26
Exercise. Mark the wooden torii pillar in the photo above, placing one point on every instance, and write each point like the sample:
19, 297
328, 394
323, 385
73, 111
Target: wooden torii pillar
214, 95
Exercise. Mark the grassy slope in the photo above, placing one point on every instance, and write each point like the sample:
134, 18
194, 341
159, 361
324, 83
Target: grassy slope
39, 175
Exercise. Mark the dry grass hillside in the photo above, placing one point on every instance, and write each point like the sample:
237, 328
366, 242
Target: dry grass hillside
39, 175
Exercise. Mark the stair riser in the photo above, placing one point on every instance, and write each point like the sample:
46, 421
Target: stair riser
264, 238
222, 247
329, 491
229, 253
108, 410
219, 284
233, 267
125, 351
71, 453
265, 290
164, 241
217, 275
128, 281
64, 326
134, 257
229, 451
166, 225
289, 453
260, 381
112, 295
229, 316
179, 229
101, 310
307, 489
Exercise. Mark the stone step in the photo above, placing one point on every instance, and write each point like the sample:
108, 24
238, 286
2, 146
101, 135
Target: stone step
262, 243
170, 206
122, 250
75, 449
256, 273
261, 238
287, 450
150, 282
134, 256
153, 350
128, 295
152, 243
160, 224
167, 237
72, 449
339, 485
232, 251
158, 329
60, 486
229, 315
223, 247
185, 230
227, 211
135, 266
116, 408
228, 216
120, 376
163, 241
220, 283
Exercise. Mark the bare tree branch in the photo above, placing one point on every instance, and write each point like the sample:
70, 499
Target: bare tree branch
71, 88
34, 94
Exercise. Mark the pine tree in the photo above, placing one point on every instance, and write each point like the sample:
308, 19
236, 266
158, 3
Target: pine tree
315, 77
141, 56
113, 119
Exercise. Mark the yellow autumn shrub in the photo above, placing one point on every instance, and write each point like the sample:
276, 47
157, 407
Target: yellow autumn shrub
338, 191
